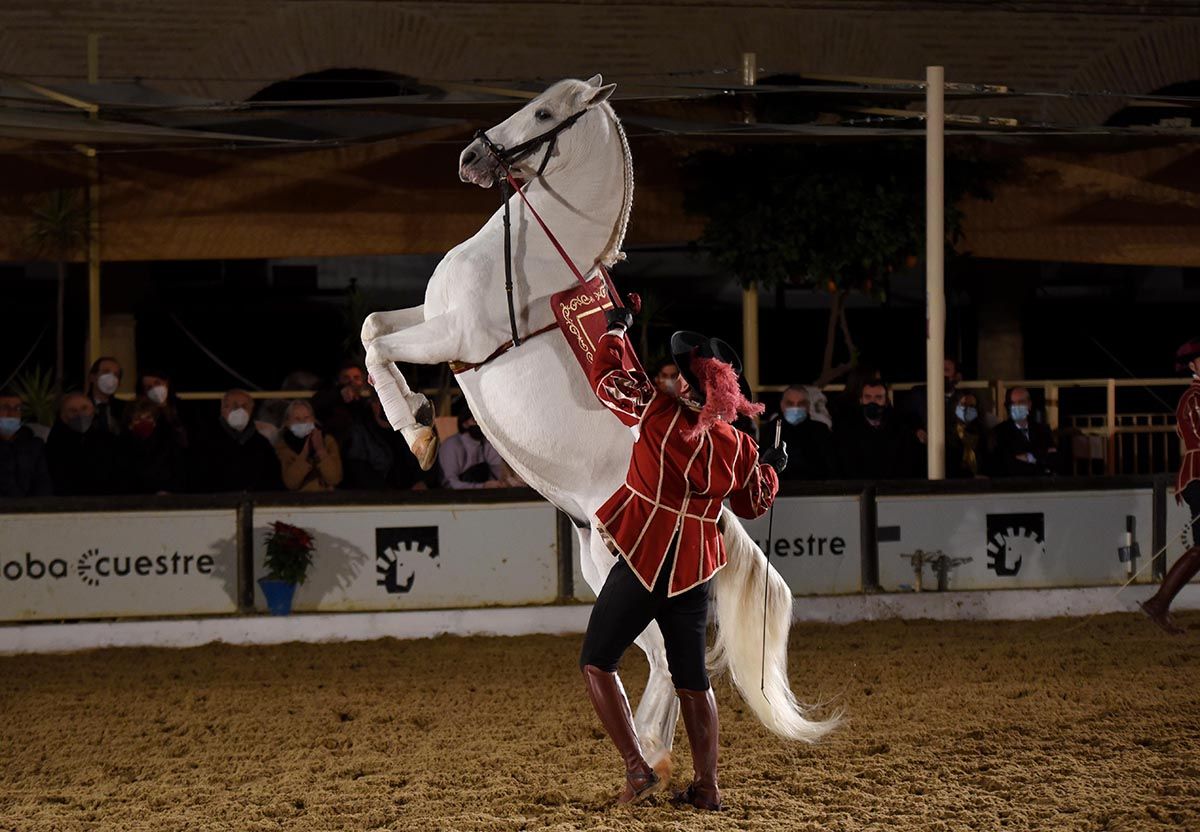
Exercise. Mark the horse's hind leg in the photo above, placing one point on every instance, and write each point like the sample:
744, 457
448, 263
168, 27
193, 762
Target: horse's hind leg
658, 709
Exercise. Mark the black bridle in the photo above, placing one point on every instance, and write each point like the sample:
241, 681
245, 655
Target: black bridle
507, 158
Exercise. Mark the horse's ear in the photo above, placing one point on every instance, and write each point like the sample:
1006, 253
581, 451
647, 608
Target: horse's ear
600, 95
595, 81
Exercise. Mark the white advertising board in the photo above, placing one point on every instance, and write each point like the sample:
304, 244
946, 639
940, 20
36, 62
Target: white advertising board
118, 564
1179, 531
427, 557
1061, 539
816, 543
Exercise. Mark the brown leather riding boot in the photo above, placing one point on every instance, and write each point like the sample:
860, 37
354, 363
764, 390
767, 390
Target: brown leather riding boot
1158, 606
699, 709
608, 698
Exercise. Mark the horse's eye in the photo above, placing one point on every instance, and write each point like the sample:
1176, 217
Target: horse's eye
542, 114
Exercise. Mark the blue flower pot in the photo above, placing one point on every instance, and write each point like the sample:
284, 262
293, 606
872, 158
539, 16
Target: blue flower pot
279, 595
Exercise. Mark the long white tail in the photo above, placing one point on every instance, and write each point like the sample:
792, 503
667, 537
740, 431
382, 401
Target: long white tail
739, 643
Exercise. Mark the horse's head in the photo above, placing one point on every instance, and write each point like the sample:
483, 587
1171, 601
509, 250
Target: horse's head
527, 139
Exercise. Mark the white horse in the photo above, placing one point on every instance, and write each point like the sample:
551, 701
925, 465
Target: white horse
533, 402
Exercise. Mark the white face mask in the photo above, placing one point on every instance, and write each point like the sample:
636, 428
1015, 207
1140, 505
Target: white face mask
107, 383
157, 393
238, 418
301, 429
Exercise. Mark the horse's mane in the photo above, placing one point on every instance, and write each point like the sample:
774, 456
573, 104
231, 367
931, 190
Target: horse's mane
612, 250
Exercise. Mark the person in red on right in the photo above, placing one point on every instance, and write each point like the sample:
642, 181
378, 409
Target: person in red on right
1187, 490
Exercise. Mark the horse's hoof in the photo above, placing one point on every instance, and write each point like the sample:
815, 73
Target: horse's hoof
662, 767
424, 447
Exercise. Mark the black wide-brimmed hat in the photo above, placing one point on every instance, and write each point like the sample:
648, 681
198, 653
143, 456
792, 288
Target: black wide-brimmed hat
687, 345
1183, 356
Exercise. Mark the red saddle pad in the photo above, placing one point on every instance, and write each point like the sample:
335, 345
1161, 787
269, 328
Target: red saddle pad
580, 315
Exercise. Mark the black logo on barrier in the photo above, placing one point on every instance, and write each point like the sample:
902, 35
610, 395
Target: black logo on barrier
402, 552
1013, 537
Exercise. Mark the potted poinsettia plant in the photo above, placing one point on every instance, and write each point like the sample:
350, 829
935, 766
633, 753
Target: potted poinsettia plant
288, 558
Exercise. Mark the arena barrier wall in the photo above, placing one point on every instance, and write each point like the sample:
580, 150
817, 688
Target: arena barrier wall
84, 558
400, 557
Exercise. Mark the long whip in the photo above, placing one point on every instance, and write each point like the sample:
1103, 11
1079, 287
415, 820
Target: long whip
762, 684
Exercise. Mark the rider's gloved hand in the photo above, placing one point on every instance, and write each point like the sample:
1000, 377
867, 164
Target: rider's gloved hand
777, 458
619, 319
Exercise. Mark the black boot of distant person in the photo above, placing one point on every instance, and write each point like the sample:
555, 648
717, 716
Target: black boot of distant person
1158, 606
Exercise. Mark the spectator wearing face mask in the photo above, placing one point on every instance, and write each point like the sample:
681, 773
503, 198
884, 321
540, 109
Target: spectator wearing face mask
966, 438
809, 442
467, 459
667, 378
104, 378
155, 387
308, 458
82, 456
873, 444
230, 455
23, 468
151, 457
1022, 447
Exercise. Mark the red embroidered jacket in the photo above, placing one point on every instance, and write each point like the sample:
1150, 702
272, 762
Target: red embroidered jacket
673, 484
1187, 425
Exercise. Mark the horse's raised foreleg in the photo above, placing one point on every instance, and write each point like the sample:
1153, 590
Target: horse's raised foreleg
426, 342
385, 323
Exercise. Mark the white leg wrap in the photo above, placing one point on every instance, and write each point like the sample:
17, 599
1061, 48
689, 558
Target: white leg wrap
395, 403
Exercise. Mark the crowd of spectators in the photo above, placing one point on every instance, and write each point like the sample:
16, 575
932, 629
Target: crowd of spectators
102, 444
862, 435
337, 437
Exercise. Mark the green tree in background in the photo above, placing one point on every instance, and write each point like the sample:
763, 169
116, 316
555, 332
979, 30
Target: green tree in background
59, 232
836, 217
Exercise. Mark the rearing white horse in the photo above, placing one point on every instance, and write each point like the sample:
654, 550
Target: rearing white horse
534, 403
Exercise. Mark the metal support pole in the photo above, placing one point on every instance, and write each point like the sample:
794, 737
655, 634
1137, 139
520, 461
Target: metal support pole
93, 194
1110, 425
935, 292
566, 540
869, 533
750, 293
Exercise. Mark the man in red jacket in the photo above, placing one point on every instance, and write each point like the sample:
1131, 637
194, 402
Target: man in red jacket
1187, 489
662, 525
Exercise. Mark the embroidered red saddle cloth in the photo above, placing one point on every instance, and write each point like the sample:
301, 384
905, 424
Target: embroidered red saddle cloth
580, 315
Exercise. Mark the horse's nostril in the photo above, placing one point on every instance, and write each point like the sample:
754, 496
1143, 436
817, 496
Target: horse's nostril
468, 157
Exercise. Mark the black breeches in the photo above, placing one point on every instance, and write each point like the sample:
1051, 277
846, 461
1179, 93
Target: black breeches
624, 608
1191, 496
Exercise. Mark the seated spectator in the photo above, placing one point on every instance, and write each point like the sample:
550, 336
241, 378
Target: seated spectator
966, 442
809, 442
667, 378
82, 455
230, 455
23, 468
918, 399
847, 406
104, 378
1021, 447
467, 459
341, 407
155, 387
308, 458
150, 452
368, 443
873, 444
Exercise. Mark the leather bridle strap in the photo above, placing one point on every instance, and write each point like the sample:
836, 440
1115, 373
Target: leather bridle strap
505, 158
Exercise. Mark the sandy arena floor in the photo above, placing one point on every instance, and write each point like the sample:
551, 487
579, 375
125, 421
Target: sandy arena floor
1022, 726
